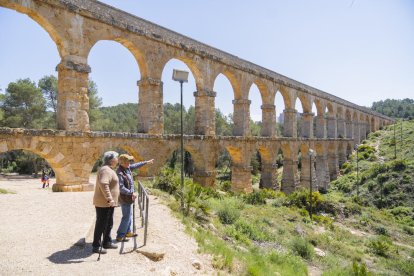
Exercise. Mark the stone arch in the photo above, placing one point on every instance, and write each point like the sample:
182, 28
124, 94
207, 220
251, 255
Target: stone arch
253, 103
305, 101
330, 108
320, 107
355, 116
192, 66
220, 93
288, 98
348, 115
135, 51
51, 152
234, 81
31, 9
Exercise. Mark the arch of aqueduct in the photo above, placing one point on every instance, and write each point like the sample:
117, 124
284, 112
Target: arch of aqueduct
77, 25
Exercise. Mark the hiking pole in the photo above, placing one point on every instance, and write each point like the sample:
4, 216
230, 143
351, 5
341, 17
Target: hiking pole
106, 228
134, 227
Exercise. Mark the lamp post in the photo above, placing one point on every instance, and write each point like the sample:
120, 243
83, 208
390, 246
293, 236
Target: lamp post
181, 77
311, 155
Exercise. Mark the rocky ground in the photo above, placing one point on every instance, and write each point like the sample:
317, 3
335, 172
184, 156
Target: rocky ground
42, 232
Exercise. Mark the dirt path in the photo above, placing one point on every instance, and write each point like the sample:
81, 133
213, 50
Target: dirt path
39, 228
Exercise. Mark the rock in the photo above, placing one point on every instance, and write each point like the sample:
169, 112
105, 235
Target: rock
212, 227
299, 230
242, 249
153, 256
196, 263
169, 272
319, 252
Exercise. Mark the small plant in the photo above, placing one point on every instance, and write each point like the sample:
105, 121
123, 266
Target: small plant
380, 230
228, 212
360, 269
380, 246
302, 247
409, 230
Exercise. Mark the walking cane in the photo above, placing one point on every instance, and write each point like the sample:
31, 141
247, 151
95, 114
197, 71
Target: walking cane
101, 238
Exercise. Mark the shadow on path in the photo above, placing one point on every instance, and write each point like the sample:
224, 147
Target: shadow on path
75, 254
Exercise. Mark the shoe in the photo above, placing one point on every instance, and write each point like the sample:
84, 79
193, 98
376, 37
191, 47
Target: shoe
96, 250
110, 246
131, 235
121, 239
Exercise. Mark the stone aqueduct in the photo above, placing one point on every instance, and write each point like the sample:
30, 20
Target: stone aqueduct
77, 25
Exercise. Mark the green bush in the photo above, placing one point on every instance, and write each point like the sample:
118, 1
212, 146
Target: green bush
409, 230
259, 197
302, 247
380, 230
352, 208
398, 165
167, 180
380, 246
228, 211
252, 230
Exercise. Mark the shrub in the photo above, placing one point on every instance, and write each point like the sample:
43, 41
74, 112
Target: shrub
252, 230
259, 197
409, 230
380, 230
255, 198
380, 246
228, 212
167, 180
351, 208
302, 247
398, 165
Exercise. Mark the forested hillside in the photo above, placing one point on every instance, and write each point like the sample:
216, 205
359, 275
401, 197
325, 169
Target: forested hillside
395, 108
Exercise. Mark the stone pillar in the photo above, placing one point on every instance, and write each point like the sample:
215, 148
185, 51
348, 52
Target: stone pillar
290, 123
205, 178
241, 180
305, 172
307, 125
72, 98
205, 115
333, 165
150, 106
341, 128
355, 134
289, 178
241, 117
268, 178
268, 120
331, 127
363, 131
320, 126
341, 156
349, 130
322, 171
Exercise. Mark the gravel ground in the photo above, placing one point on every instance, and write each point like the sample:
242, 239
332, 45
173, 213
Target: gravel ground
39, 230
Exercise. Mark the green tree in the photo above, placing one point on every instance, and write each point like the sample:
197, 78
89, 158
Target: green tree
48, 86
23, 105
94, 103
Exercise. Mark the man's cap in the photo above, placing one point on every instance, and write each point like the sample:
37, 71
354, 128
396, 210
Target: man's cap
126, 157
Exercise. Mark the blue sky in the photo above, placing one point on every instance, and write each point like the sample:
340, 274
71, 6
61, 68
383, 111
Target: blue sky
359, 50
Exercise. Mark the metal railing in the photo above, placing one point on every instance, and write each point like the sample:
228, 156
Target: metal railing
143, 204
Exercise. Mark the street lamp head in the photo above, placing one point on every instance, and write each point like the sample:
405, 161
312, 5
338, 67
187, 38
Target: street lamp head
311, 152
181, 76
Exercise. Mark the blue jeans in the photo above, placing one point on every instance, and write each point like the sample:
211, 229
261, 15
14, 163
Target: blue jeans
126, 221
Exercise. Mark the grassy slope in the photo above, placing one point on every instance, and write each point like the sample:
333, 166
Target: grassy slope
267, 232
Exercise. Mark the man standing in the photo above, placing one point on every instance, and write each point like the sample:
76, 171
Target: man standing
105, 199
127, 195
